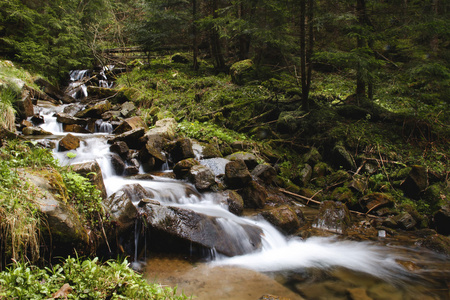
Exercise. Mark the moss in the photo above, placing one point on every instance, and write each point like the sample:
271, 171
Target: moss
242, 71
344, 195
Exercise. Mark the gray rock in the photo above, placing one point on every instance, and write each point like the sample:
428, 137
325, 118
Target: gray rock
202, 177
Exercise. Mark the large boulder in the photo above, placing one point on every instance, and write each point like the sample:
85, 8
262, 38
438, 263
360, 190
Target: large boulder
242, 71
202, 177
249, 158
24, 106
254, 195
94, 111
120, 148
165, 128
68, 119
132, 138
186, 230
35, 131
53, 91
416, 182
93, 172
180, 149
285, 218
233, 200
69, 142
128, 109
129, 124
442, 220
237, 174
151, 157
121, 206
342, 158
63, 226
265, 172
182, 168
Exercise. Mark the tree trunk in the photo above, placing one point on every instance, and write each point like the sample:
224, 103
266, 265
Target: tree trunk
360, 43
306, 49
215, 40
194, 33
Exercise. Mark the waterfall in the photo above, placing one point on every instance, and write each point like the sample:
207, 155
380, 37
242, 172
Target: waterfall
77, 88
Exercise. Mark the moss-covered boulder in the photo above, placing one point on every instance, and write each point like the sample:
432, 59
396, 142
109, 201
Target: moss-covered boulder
343, 158
183, 167
242, 72
249, 158
237, 174
416, 181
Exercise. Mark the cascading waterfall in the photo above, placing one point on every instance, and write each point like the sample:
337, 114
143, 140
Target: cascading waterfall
77, 89
277, 254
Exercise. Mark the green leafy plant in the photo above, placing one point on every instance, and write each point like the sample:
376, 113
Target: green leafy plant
88, 279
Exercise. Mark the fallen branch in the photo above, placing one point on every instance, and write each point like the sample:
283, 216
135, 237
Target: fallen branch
384, 161
318, 202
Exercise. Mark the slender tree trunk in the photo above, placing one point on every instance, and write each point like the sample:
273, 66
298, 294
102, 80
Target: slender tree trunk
215, 40
306, 49
360, 43
194, 33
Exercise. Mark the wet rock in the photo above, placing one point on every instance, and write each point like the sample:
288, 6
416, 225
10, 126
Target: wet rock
358, 294
182, 168
180, 149
69, 142
120, 148
333, 216
272, 297
68, 119
132, 168
35, 131
183, 229
121, 208
117, 163
37, 119
73, 108
93, 172
442, 220
95, 111
250, 159
405, 221
25, 123
111, 115
416, 182
341, 157
254, 195
374, 201
151, 158
237, 174
75, 128
131, 138
233, 200
202, 177
129, 124
438, 243
265, 172
284, 218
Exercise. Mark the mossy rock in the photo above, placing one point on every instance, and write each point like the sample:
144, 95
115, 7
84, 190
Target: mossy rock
242, 72
211, 151
182, 58
353, 112
344, 195
288, 121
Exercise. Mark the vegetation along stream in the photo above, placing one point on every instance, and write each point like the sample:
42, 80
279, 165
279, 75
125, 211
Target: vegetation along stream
263, 149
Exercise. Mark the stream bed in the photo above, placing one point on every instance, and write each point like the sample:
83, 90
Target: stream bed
291, 267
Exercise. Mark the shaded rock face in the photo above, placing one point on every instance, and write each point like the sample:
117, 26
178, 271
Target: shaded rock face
53, 91
249, 159
254, 195
416, 182
233, 200
151, 158
182, 168
374, 201
64, 226
129, 124
442, 220
237, 174
333, 216
265, 172
343, 158
178, 228
121, 208
285, 218
181, 149
131, 138
92, 171
95, 111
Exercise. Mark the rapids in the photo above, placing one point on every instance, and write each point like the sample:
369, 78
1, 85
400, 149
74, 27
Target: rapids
297, 263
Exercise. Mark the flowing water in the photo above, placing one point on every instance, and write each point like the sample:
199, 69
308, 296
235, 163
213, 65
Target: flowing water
313, 268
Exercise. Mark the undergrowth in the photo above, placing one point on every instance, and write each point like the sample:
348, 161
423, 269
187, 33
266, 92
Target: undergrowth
88, 279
